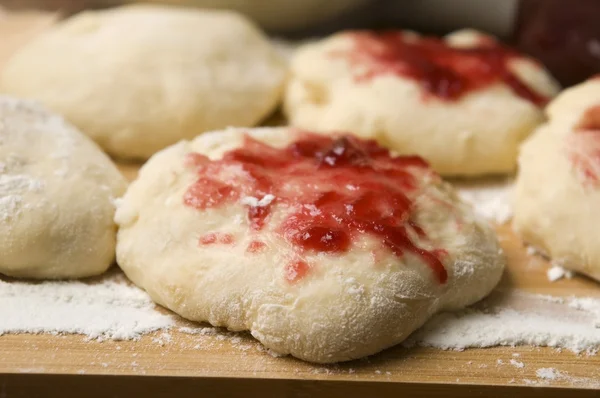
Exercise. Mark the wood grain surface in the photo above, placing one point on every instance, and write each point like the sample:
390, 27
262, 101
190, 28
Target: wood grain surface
176, 364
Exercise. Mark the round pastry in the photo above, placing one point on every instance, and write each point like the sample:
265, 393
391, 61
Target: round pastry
139, 78
557, 193
464, 102
56, 196
327, 248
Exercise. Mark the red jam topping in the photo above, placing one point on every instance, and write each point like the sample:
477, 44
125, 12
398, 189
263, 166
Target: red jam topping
335, 189
212, 238
255, 246
441, 70
295, 270
584, 146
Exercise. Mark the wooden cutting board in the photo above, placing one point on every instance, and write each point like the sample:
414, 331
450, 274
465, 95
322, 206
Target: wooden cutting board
178, 364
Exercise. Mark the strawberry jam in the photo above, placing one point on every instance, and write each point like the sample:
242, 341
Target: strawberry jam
441, 70
332, 191
584, 146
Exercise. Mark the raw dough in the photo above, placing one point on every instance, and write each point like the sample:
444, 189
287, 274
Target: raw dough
361, 82
56, 192
139, 78
557, 193
207, 262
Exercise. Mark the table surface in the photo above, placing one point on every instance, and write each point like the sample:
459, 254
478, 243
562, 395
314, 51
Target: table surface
230, 364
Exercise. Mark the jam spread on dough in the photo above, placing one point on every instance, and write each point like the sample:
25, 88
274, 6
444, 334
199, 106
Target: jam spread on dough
335, 189
441, 70
584, 146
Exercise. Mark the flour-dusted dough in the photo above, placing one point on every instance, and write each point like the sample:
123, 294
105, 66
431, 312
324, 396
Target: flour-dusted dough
139, 78
557, 194
335, 87
56, 192
348, 305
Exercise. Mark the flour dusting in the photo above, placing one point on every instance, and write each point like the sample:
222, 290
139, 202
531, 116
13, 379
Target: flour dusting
491, 198
107, 309
512, 319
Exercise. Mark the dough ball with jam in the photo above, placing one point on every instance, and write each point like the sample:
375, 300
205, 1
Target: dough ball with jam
557, 193
327, 248
464, 102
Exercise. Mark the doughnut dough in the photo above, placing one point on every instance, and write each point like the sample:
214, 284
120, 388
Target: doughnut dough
139, 78
366, 84
56, 192
214, 265
557, 194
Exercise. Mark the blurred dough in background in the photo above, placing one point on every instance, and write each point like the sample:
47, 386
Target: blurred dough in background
557, 192
464, 103
139, 78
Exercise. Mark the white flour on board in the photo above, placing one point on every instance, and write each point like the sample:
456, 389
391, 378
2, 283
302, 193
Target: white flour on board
513, 318
491, 198
107, 309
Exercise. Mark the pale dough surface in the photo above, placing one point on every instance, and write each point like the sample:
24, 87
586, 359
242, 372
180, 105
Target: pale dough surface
56, 193
139, 78
476, 134
556, 205
349, 305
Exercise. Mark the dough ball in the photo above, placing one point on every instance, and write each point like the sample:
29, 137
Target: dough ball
139, 78
324, 248
557, 194
56, 193
464, 102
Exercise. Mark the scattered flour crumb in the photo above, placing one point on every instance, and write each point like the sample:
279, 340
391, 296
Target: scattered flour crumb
517, 364
547, 373
516, 354
500, 362
557, 272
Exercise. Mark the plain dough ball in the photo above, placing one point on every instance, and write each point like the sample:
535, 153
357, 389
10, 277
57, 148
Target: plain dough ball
280, 15
478, 133
139, 78
56, 192
350, 305
557, 194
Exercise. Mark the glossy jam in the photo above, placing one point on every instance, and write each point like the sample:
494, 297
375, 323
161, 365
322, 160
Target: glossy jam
296, 270
443, 71
334, 189
256, 246
584, 146
212, 238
